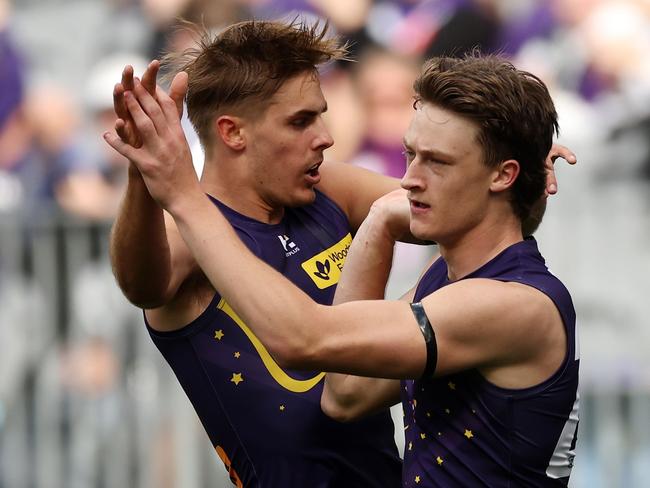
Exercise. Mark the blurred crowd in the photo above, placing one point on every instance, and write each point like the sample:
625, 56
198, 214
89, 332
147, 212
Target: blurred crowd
59, 60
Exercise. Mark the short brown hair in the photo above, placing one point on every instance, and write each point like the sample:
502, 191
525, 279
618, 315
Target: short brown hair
242, 67
513, 110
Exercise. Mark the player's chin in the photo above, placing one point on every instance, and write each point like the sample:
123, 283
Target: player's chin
421, 231
302, 197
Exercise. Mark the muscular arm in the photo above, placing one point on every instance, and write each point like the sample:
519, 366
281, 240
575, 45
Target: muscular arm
367, 268
148, 255
149, 258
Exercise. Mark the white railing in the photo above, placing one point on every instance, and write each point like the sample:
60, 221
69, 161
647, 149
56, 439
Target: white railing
87, 401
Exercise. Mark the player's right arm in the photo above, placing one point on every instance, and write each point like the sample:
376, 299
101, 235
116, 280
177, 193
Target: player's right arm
143, 253
149, 258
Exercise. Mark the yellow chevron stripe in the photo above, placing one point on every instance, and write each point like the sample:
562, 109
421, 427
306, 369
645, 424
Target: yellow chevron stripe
278, 374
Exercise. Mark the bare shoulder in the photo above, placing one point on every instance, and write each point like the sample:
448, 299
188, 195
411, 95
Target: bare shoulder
497, 302
481, 322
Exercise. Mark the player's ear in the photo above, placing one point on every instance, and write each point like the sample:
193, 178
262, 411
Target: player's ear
229, 129
504, 175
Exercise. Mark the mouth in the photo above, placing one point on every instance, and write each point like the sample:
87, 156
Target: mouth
418, 207
312, 173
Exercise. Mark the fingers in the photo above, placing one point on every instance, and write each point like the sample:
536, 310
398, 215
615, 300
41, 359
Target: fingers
120, 146
560, 151
141, 119
120, 129
551, 183
557, 151
169, 108
152, 108
127, 77
178, 90
149, 76
118, 101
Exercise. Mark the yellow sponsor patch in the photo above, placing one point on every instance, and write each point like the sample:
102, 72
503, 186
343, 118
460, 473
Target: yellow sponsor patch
325, 267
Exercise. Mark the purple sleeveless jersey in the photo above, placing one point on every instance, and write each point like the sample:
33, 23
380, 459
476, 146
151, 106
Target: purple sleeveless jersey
266, 423
462, 431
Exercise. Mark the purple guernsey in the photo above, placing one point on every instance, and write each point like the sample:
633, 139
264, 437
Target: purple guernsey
463, 431
266, 423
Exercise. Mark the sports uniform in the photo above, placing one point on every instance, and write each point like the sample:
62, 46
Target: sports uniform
462, 430
265, 422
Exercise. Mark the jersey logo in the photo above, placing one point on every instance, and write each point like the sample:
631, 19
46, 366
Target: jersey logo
325, 267
278, 374
289, 246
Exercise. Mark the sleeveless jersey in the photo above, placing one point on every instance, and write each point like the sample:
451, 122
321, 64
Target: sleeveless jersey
462, 430
266, 423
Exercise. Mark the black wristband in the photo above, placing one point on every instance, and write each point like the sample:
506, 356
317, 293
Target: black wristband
429, 339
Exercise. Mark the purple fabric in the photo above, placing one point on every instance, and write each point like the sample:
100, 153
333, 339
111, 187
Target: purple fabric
462, 430
11, 78
273, 435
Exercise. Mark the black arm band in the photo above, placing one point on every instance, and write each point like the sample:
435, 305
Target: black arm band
429, 339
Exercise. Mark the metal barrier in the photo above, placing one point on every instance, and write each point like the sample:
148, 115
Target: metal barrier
87, 401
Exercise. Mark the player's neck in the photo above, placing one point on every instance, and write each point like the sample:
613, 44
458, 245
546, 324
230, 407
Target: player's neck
233, 189
479, 245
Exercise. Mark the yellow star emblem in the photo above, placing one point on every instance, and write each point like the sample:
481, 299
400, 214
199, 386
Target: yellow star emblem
218, 334
423, 435
237, 354
452, 385
236, 378
417, 479
439, 460
281, 408
468, 434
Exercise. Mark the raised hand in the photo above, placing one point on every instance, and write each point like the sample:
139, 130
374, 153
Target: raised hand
124, 125
163, 157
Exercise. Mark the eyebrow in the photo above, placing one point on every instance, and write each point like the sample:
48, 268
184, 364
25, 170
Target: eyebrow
309, 113
431, 153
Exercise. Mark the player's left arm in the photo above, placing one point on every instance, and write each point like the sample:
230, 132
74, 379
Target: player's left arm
367, 268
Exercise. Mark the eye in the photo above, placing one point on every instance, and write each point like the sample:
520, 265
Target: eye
408, 155
437, 161
301, 122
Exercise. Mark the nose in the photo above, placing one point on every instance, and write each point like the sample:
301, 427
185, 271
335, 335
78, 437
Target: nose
412, 179
323, 138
